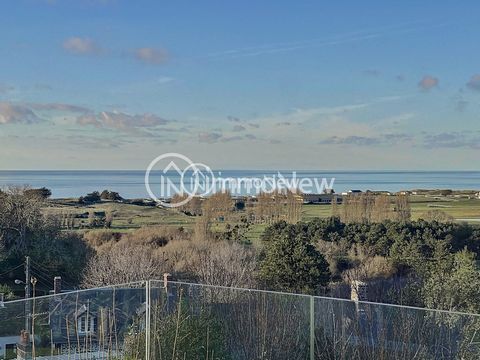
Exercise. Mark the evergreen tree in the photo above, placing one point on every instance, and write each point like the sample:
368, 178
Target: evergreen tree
293, 264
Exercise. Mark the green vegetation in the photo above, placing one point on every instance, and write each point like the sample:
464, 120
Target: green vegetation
291, 262
217, 241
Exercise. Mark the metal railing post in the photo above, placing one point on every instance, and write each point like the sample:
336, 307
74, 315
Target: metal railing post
312, 328
148, 320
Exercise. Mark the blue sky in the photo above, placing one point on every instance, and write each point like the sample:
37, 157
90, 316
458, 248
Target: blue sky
111, 84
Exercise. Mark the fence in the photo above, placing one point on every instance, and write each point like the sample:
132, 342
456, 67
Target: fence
149, 321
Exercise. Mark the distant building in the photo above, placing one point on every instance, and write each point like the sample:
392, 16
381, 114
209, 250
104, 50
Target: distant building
321, 198
352, 192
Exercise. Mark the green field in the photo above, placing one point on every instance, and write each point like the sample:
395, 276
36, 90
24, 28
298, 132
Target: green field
129, 217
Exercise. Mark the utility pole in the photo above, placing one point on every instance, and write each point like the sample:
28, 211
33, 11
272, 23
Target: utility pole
27, 294
27, 278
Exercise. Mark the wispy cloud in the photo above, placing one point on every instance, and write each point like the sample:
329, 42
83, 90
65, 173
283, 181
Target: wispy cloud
233, 119
165, 80
215, 137
452, 140
372, 72
461, 105
383, 139
474, 82
319, 42
81, 46
59, 107
428, 82
121, 121
11, 113
153, 56
4, 88
209, 137
238, 128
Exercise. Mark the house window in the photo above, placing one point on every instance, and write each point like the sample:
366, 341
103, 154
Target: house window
86, 325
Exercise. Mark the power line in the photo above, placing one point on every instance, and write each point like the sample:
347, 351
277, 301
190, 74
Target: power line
13, 269
46, 273
41, 276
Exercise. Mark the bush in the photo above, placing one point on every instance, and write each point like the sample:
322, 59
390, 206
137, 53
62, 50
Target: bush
110, 195
91, 198
42, 193
100, 237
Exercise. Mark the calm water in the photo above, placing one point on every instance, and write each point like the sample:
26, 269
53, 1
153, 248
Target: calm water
130, 184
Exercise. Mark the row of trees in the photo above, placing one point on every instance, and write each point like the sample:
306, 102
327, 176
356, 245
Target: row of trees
265, 208
367, 207
96, 196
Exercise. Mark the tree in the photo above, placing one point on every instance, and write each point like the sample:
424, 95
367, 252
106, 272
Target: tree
220, 263
402, 208
108, 219
291, 263
20, 218
122, 263
453, 283
437, 215
110, 195
42, 193
218, 206
382, 210
25, 230
91, 198
7, 292
294, 204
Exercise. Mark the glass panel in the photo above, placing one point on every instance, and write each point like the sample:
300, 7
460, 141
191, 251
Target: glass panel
351, 330
62, 324
206, 322
190, 321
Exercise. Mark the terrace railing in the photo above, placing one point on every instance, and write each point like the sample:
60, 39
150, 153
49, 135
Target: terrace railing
154, 320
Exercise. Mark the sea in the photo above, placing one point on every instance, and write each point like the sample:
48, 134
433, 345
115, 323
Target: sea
131, 183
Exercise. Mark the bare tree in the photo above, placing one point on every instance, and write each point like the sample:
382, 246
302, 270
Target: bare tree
222, 263
438, 215
19, 214
122, 263
382, 209
402, 208
218, 205
294, 202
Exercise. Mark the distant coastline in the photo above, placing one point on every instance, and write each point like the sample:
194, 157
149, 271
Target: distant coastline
130, 183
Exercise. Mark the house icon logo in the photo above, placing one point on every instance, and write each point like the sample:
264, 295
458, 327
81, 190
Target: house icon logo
173, 174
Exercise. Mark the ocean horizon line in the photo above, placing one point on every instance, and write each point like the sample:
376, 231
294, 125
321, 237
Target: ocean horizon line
253, 169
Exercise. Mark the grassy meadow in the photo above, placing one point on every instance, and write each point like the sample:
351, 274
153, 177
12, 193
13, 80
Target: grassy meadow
128, 217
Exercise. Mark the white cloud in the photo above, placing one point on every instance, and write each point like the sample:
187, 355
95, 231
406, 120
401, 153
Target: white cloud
121, 121
81, 46
154, 56
17, 113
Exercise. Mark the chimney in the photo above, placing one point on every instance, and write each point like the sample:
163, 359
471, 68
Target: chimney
57, 285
